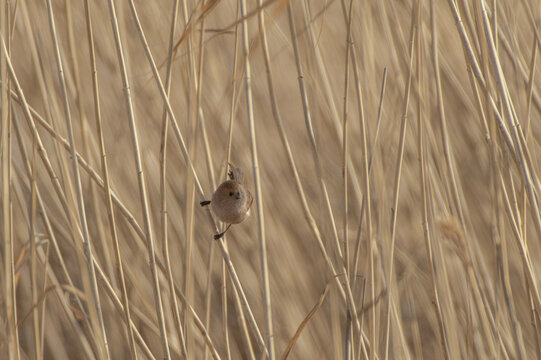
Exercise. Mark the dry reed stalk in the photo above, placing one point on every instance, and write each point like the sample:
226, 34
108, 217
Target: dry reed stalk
6, 112
257, 179
479, 75
33, 114
129, 217
503, 258
329, 93
198, 85
480, 301
506, 284
345, 144
8, 274
286, 144
232, 271
308, 122
367, 198
305, 321
189, 190
466, 139
526, 171
413, 39
107, 186
244, 301
225, 313
448, 155
430, 251
335, 117
163, 191
50, 171
238, 305
480, 298
141, 180
208, 291
199, 91
120, 308
33, 256
349, 336
30, 114
376, 138
96, 314
193, 121
528, 137
199, 324
86, 137
50, 234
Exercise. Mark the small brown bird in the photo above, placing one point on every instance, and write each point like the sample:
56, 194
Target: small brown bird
231, 201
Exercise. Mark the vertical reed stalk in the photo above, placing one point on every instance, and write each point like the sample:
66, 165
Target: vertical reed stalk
107, 185
308, 122
526, 172
40, 150
8, 278
398, 174
33, 256
95, 307
141, 180
345, 141
349, 336
225, 312
180, 139
163, 186
257, 178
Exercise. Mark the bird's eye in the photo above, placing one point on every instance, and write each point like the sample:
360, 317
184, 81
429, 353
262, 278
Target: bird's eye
231, 194
238, 194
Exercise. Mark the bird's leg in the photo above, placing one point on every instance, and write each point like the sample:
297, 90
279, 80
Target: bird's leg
204, 202
218, 236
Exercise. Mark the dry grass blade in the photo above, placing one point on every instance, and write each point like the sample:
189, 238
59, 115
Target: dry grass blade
305, 322
209, 7
36, 304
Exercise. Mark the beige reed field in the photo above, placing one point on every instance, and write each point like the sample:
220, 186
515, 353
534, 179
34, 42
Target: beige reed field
392, 149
